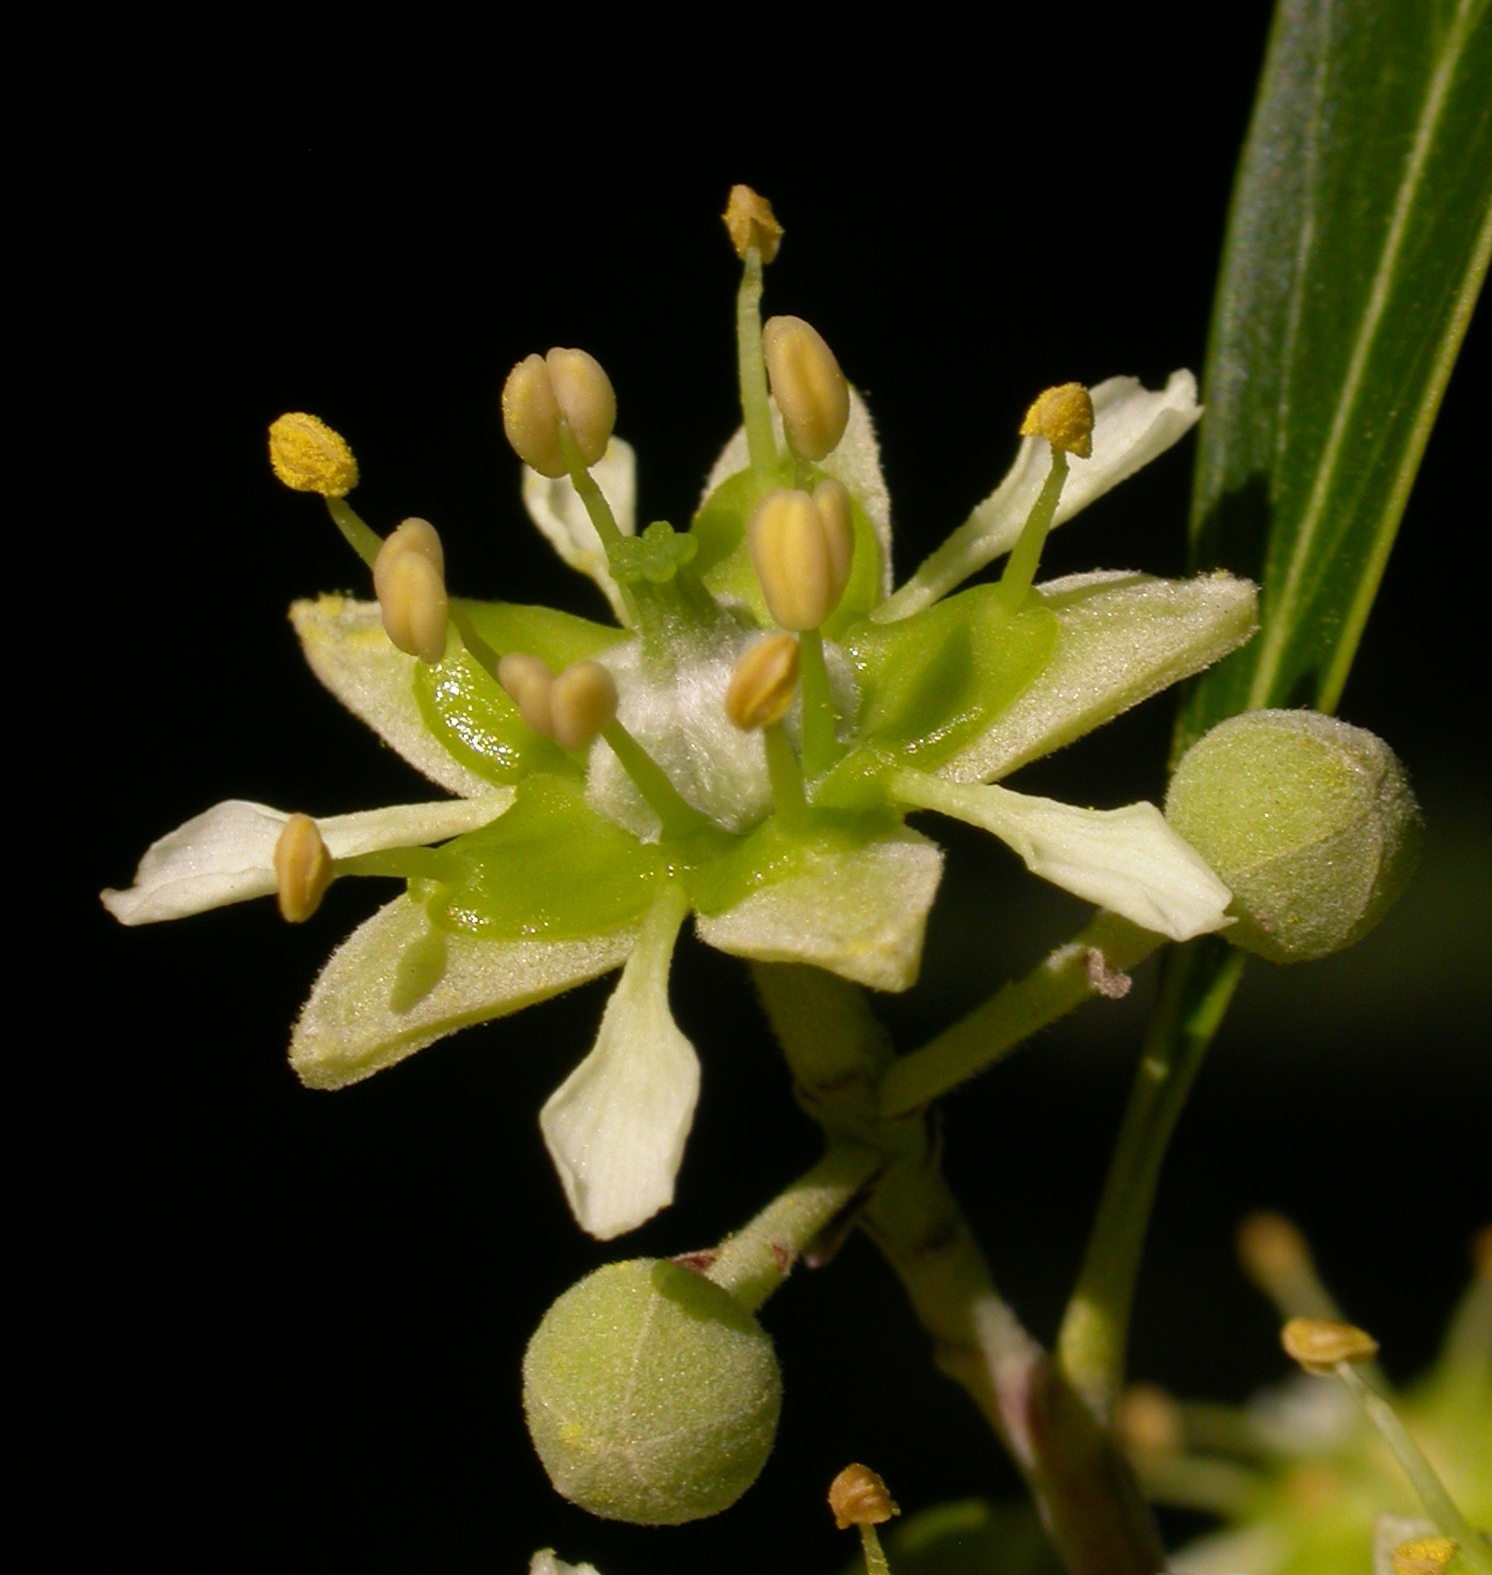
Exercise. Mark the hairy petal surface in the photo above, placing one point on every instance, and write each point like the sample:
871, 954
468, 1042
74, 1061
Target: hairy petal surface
859, 914
1122, 638
856, 463
1132, 425
1126, 860
397, 984
616, 1127
555, 507
226, 854
348, 651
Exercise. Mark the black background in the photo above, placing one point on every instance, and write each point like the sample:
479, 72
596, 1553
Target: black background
273, 1328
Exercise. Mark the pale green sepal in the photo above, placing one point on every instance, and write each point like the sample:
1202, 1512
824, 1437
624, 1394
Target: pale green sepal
1126, 860
396, 985
555, 507
348, 651
544, 1561
856, 463
860, 914
226, 854
615, 1128
1132, 425
1122, 638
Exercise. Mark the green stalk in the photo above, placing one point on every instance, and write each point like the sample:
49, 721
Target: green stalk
1196, 987
751, 365
662, 797
358, 534
1025, 556
820, 747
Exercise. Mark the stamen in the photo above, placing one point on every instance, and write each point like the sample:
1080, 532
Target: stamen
1329, 1349
529, 685
858, 1497
1064, 417
545, 394
1277, 1258
809, 388
1423, 1556
760, 694
755, 234
582, 703
803, 548
409, 581
303, 869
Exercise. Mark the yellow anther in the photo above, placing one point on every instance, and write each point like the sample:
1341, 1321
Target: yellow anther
1424, 1556
1320, 1344
808, 386
308, 456
409, 580
1271, 1250
858, 1497
1064, 417
530, 685
542, 389
303, 869
1148, 1421
803, 548
582, 701
750, 222
762, 687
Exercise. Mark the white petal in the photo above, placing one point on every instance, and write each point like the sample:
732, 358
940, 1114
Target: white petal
861, 915
348, 651
555, 507
1127, 860
1123, 638
396, 984
1131, 427
544, 1562
615, 1128
856, 462
227, 853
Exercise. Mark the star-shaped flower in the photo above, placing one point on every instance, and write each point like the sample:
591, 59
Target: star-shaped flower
597, 809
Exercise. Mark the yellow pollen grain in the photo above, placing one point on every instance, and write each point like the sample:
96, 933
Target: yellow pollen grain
858, 1497
1424, 1556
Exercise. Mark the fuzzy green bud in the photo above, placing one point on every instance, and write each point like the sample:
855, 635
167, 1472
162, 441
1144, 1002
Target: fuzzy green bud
1310, 822
651, 1394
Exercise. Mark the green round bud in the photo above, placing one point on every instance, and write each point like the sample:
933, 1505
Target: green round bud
1309, 822
651, 1394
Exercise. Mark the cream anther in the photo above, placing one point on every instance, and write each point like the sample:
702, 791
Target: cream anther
582, 701
763, 683
749, 220
540, 391
303, 869
803, 547
809, 388
308, 456
1320, 1344
409, 580
1064, 417
530, 685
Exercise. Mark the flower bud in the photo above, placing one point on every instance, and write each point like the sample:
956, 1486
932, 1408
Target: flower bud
651, 1394
582, 701
530, 686
542, 389
858, 1497
1308, 821
1319, 1344
803, 546
308, 456
808, 386
1064, 417
303, 869
409, 580
749, 221
763, 684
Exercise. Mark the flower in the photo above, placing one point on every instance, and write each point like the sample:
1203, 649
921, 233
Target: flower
787, 843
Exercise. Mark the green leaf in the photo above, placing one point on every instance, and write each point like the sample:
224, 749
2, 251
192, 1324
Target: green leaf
1359, 237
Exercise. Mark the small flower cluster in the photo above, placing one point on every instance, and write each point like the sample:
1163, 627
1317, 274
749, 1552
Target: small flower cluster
745, 744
